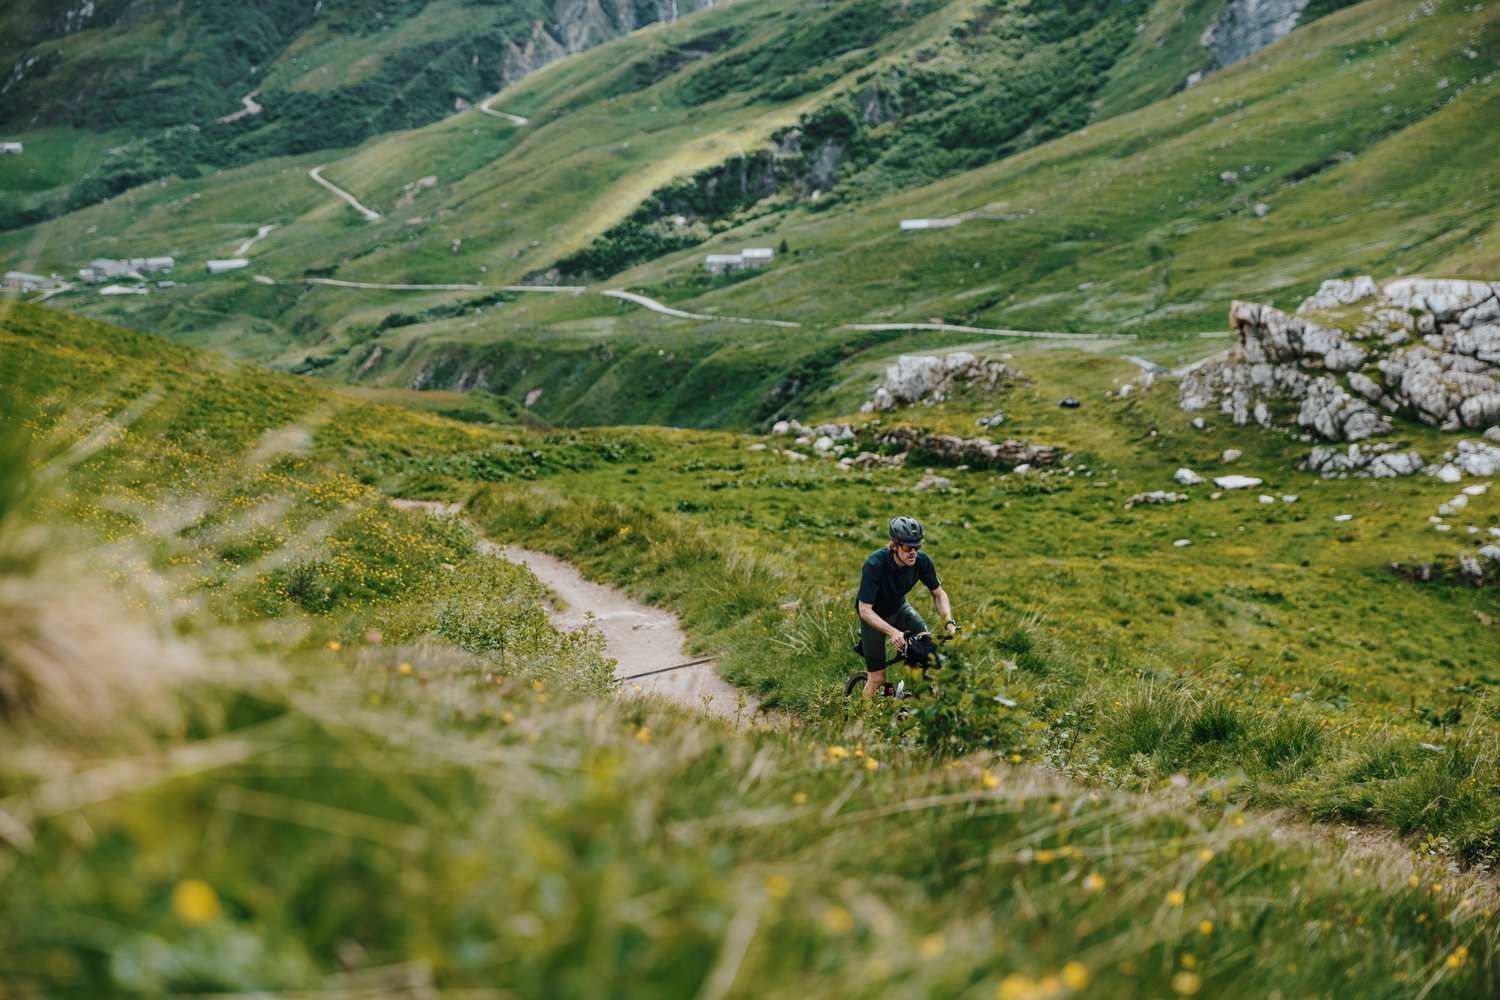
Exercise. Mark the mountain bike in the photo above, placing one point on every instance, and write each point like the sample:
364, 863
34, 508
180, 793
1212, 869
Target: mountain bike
920, 652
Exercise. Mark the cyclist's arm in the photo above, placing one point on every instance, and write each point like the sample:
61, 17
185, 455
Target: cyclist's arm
940, 598
869, 617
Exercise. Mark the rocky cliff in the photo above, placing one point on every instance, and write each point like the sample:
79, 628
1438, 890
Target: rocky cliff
1244, 27
1355, 359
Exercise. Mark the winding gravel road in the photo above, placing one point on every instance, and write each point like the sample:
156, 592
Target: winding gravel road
666, 310
484, 108
370, 214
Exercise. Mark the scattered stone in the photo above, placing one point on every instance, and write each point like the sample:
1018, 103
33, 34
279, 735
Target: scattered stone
1262, 210
1477, 490
795, 456
758, 446
1343, 517
1442, 527
926, 378
947, 449
1478, 458
1069, 403
1023, 468
1267, 499
823, 444
993, 420
1236, 482
1155, 497
1187, 477
1199, 423
1181, 542
931, 481
1230, 455
1448, 474
1289, 498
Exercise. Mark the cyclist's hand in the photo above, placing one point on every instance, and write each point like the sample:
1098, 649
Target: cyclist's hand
899, 641
952, 627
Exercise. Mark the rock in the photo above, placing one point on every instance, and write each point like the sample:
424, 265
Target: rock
993, 420
1477, 490
1490, 552
1199, 423
1267, 499
1443, 297
1182, 542
1187, 477
1236, 482
1230, 455
1069, 403
1155, 497
1343, 517
1393, 464
795, 456
1125, 390
929, 378
931, 481
1243, 27
1493, 435
947, 449
1337, 292
1448, 474
1229, 176
1262, 210
758, 446
1289, 498
1478, 458
1459, 502
1023, 468
823, 444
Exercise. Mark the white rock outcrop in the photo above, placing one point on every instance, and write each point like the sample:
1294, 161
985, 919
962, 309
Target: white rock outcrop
924, 378
1427, 349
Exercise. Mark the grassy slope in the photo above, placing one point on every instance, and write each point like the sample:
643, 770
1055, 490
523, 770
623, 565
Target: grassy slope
287, 815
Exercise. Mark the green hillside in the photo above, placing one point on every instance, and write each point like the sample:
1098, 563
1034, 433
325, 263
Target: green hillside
1345, 112
266, 733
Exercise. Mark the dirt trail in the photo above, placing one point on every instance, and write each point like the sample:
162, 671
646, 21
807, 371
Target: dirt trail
666, 310
637, 637
370, 214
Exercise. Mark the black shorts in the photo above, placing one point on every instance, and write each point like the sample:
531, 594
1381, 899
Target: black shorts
872, 640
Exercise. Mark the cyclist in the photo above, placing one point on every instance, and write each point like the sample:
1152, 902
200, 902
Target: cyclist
883, 584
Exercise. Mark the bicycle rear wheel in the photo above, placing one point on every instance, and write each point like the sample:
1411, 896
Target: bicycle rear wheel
856, 683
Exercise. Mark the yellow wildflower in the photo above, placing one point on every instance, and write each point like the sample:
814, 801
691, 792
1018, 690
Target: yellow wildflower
838, 920
1206, 927
507, 717
837, 753
799, 798
931, 946
1092, 882
334, 645
1205, 855
195, 902
643, 735
1015, 758
988, 779
1189, 960
1187, 983
1014, 987
1045, 857
1176, 897
1414, 881
404, 668
1459, 956
871, 764
1075, 976
777, 886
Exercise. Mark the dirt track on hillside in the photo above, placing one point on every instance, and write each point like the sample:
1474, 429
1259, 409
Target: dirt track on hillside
638, 637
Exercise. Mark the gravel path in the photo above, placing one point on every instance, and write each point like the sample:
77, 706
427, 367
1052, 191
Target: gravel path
986, 331
666, 310
370, 214
485, 108
260, 234
637, 636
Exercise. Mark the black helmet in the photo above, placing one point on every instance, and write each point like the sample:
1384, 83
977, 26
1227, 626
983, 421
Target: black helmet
906, 530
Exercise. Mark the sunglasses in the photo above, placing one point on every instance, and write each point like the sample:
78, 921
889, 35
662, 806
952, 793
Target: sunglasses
908, 548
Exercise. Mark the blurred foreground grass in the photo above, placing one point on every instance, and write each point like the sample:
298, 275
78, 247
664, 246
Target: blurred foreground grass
265, 734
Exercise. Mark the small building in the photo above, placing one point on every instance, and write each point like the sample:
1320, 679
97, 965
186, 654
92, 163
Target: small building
103, 269
232, 264
757, 256
21, 281
916, 225
722, 263
152, 265
11, 148
123, 290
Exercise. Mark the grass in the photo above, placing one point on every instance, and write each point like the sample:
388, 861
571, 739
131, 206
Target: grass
398, 788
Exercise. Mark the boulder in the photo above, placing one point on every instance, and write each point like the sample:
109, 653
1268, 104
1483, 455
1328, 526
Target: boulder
1236, 482
1187, 477
1155, 497
925, 378
1337, 292
1230, 455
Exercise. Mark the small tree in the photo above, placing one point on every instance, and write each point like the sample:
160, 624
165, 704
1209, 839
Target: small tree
783, 249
